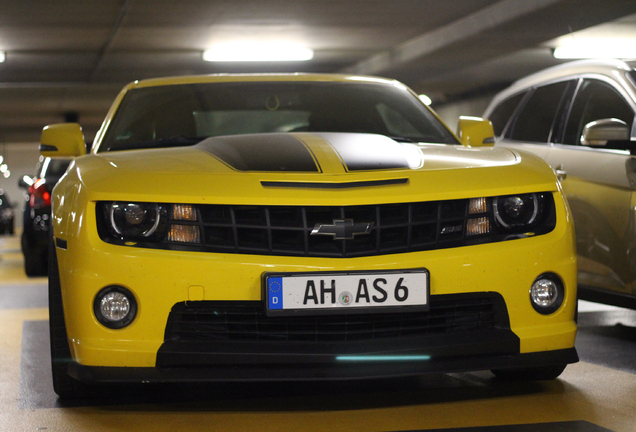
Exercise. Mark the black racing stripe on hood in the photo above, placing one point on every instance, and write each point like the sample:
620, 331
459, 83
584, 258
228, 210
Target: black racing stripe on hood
368, 152
261, 152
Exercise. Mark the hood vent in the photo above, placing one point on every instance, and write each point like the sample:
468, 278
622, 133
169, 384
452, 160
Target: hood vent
345, 185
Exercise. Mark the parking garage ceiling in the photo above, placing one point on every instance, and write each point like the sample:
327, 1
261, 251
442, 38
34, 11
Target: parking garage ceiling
67, 59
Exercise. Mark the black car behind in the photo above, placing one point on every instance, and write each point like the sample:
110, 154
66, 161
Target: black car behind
37, 213
6, 214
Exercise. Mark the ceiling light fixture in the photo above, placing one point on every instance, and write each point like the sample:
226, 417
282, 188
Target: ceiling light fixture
597, 48
257, 52
3, 56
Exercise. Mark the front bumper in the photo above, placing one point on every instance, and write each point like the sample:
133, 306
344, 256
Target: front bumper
160, 279
311, 372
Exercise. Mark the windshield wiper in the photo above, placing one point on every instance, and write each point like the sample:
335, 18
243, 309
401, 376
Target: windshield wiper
402, 139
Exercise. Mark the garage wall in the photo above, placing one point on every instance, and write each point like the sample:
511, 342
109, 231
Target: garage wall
21, 159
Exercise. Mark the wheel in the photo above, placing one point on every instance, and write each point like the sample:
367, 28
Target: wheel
64, 385
35, 264
537, 373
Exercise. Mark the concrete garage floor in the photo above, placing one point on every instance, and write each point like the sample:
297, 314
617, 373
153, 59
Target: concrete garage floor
596, 394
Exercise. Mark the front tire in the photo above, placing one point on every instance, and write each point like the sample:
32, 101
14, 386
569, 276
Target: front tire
537, 373
64, 385
35, 263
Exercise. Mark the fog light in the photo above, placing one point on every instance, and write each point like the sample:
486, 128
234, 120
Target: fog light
115, 307
547, 293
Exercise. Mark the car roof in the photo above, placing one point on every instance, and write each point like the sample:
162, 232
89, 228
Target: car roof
299, 77
580, 67
607, 67
597, 66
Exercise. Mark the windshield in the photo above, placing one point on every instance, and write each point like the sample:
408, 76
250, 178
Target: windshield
178, 115
632, 75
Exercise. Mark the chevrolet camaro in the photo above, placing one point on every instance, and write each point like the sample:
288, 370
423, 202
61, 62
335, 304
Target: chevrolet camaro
301, 227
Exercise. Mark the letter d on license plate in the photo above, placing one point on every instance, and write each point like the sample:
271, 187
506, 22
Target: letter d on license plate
333, 293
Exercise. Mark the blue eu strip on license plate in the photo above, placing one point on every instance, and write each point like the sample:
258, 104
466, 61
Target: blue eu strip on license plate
333, 292
275, 293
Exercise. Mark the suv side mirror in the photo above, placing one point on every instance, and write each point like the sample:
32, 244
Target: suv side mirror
475, 132
600, 132
62, 140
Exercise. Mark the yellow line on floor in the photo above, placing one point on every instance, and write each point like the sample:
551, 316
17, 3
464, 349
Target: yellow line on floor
12, 261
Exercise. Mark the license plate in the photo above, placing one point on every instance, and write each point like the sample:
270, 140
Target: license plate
316, 293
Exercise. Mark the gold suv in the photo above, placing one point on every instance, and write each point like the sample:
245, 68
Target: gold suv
579, 117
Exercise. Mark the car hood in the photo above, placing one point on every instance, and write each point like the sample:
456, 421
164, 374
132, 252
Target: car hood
262, 166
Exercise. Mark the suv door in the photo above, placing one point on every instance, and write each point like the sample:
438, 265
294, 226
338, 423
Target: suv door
599, 184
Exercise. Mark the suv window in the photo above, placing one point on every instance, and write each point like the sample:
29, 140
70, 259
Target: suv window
534, 122
595, 100
500, 115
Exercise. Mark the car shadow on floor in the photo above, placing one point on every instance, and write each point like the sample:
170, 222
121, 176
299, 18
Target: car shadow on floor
608, 338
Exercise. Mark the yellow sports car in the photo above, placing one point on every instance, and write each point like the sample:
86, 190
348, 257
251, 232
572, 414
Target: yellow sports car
301, 227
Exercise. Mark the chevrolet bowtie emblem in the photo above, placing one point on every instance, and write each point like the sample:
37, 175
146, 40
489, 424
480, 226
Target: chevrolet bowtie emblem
342, 229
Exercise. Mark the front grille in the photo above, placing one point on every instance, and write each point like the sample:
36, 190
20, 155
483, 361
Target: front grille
281, 230
342, 231
245, 320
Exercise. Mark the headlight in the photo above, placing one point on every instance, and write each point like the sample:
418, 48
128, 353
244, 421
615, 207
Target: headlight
518, 212
149, 224
509, 217
133, 221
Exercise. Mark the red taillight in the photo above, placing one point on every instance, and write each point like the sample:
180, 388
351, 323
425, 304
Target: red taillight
40, 197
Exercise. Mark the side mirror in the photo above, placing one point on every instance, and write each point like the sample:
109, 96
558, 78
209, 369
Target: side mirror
600, 132
475, 132
62, 140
